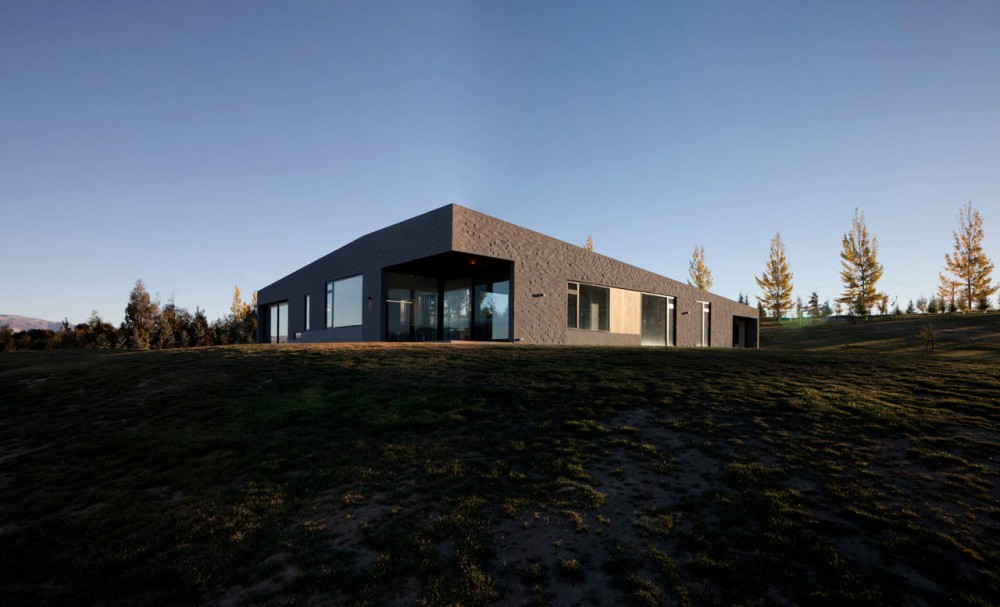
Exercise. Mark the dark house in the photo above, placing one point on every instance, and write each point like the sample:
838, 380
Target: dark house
455, 274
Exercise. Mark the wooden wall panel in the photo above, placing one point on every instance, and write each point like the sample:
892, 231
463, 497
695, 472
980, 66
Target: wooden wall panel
626, 311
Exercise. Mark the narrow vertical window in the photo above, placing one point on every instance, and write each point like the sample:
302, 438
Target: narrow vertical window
703, 319
308, 324
671, 321
572, 301
329, 305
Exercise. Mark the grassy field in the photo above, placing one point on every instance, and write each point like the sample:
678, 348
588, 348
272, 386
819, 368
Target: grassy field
817, 473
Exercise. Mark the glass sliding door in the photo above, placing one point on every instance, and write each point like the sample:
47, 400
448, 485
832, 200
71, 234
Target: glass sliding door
278, 323
492, 319
457, 317
654, 320
411, 308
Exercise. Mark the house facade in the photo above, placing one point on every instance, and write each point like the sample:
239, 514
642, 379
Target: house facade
454, 274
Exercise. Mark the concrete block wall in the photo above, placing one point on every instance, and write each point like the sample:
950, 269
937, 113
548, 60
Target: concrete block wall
542, 268
544, 265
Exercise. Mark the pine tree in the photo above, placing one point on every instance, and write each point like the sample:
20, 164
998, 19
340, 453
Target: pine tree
140, 318
910, 307
701, 276
589, 245
814, 310
861, 269
200, 334
932, 305
776, 281
968, 263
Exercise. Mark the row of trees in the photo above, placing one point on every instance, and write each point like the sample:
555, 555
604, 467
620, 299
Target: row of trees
965, 284
147, 325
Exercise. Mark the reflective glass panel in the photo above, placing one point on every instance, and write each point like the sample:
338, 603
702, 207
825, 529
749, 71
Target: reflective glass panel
457, 320
278, 323
654, 320
703, 320
411, 306
493, 310
594, 306
571, 312
671, 321
347, 302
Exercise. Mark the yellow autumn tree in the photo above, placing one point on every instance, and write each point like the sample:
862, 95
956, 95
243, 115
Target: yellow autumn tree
776, 281
860, 269
701, 276
589, 245
968, 265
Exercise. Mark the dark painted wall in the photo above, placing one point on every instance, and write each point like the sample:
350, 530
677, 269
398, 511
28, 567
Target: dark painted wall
421, 236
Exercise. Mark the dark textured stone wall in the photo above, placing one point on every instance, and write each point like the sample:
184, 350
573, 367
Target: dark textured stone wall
542, 268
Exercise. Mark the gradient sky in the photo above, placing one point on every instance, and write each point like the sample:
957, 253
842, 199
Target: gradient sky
200, 145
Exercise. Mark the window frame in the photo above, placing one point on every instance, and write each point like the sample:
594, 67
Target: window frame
331, 299
578, 287
704, 337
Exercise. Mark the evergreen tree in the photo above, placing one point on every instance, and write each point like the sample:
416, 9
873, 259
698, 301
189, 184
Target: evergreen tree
200, 332
166, 327
140, 318
932, 305
910, 308
983, 303
861, 269
701, 275
826, 310
776, 281
7, 343
968, 263
814, 309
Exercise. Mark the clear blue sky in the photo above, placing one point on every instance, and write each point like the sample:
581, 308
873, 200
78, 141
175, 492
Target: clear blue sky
200, 145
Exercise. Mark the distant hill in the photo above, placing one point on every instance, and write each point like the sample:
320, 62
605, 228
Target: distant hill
23, 323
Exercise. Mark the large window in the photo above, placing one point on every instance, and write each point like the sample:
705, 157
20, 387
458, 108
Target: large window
492, 310
703, 320
457, 317
278, 323
657, 320
588, 307
412, 307
344, 302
